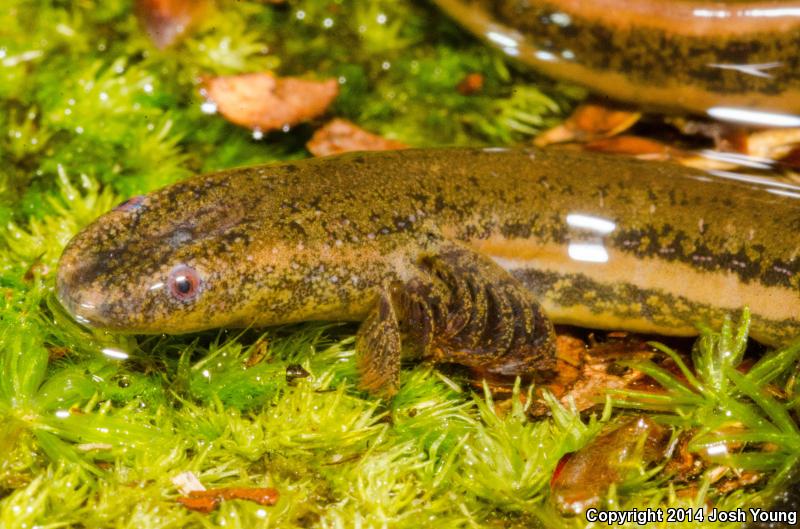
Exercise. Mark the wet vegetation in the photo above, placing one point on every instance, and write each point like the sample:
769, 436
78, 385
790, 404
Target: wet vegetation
94, 427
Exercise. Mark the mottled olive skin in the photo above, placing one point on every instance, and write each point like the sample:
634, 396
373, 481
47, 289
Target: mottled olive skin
666, 54
320, 239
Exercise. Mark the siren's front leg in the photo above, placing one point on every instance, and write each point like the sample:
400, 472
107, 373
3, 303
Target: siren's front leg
462, 308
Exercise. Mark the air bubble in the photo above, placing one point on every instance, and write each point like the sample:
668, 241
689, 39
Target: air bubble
208, 107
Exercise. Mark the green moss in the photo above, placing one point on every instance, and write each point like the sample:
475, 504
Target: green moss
93, 427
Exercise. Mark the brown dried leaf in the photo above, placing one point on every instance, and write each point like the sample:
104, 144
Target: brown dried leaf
259, 353
472, 83
206, 501
204, 505
36, 269
638, 146
585, 477
264, 102
340, 135
589, 122
792, 159
726, 136
570, 360
597, 378
259, 495
683, 465
745, 479
760, 145
166, 20
584, 374
56, 352
773, 144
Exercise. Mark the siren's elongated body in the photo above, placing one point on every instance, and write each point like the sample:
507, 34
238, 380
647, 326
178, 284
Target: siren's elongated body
410, 241
698, 55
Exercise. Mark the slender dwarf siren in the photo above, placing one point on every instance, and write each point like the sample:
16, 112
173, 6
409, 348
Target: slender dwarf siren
598, 241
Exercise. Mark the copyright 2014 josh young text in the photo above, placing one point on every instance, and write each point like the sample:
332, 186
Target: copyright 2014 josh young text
686, 514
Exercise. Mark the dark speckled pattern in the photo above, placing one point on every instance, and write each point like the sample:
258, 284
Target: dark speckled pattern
319, 239
657, 56
676, 55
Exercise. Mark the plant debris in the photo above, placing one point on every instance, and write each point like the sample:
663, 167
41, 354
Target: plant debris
625, 452
263, 102
643, 148
166, 20
596, 127
187, 482
207, 500
197, 498
340, 135
589, 121
585, 372
472, 83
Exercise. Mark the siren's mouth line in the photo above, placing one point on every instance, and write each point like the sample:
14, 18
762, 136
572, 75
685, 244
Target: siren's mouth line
74, 307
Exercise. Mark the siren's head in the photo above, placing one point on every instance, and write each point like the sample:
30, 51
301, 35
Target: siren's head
178, 260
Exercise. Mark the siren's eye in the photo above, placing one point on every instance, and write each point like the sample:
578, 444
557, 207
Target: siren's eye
132, 204
184, 283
